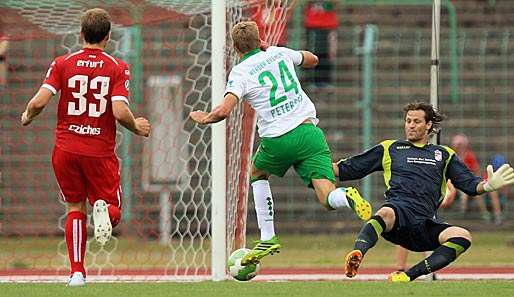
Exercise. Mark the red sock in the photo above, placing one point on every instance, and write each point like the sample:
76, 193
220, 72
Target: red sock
114, 215
76, 238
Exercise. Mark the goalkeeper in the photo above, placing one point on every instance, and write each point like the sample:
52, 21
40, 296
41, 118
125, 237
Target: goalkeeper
415, 173
267, 80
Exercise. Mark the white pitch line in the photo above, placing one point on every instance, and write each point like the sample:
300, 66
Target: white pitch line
365, 277
260, 278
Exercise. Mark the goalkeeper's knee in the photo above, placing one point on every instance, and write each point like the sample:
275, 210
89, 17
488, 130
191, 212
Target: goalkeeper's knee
458, 245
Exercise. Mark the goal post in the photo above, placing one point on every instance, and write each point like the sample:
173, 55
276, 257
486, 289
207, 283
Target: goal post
434, 67
434, 76
185, 188
219, 147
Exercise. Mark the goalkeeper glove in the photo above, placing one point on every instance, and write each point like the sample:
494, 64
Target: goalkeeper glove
504, 176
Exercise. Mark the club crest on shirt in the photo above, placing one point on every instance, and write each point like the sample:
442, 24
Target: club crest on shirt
438, 155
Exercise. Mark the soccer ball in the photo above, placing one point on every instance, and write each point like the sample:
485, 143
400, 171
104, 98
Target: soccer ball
238, 271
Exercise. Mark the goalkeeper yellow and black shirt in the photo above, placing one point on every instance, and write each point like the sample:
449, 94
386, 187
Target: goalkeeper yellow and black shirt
415, 175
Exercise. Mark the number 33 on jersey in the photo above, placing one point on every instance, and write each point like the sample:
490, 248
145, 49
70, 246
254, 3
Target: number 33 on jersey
89, 80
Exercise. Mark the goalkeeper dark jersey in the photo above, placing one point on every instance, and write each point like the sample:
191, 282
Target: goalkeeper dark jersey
415, 176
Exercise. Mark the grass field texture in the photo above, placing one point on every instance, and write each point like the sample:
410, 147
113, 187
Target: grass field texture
298, 250
296, 289
489, 249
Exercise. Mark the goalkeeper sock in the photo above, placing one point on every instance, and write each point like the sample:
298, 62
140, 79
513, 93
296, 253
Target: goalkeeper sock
440, 258
264, 208
337, 199
76, 238
369, 233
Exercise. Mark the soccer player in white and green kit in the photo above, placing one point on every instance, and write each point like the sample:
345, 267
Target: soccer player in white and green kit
287, 126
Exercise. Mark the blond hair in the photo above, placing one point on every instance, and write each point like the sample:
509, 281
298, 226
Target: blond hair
245, 36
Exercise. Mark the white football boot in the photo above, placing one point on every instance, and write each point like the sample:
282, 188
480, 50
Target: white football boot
102, 222
76, 280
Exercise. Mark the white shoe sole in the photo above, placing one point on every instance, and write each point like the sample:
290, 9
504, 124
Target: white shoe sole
103, 227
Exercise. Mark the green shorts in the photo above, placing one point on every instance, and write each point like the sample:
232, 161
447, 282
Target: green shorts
305, 148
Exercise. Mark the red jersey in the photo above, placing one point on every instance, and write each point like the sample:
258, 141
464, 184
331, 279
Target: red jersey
89, 80
471, 161
321, 15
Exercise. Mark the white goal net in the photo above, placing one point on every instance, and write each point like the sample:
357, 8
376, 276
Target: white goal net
166, 228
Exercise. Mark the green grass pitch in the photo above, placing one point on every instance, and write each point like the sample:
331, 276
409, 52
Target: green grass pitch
296, 289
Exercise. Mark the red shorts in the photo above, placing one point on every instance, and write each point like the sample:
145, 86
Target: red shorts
80, 177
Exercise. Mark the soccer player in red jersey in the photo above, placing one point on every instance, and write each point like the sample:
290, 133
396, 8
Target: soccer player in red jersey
94, 95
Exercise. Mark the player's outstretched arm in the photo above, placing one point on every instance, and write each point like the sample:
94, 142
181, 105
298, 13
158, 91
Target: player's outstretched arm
36, 105
310, 60
502, 177
219, 113
122, 113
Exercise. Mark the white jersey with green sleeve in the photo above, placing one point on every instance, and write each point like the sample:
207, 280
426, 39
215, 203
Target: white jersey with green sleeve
267, 80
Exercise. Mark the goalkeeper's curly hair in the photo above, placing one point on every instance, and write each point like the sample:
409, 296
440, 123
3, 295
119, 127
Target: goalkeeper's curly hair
430, 114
